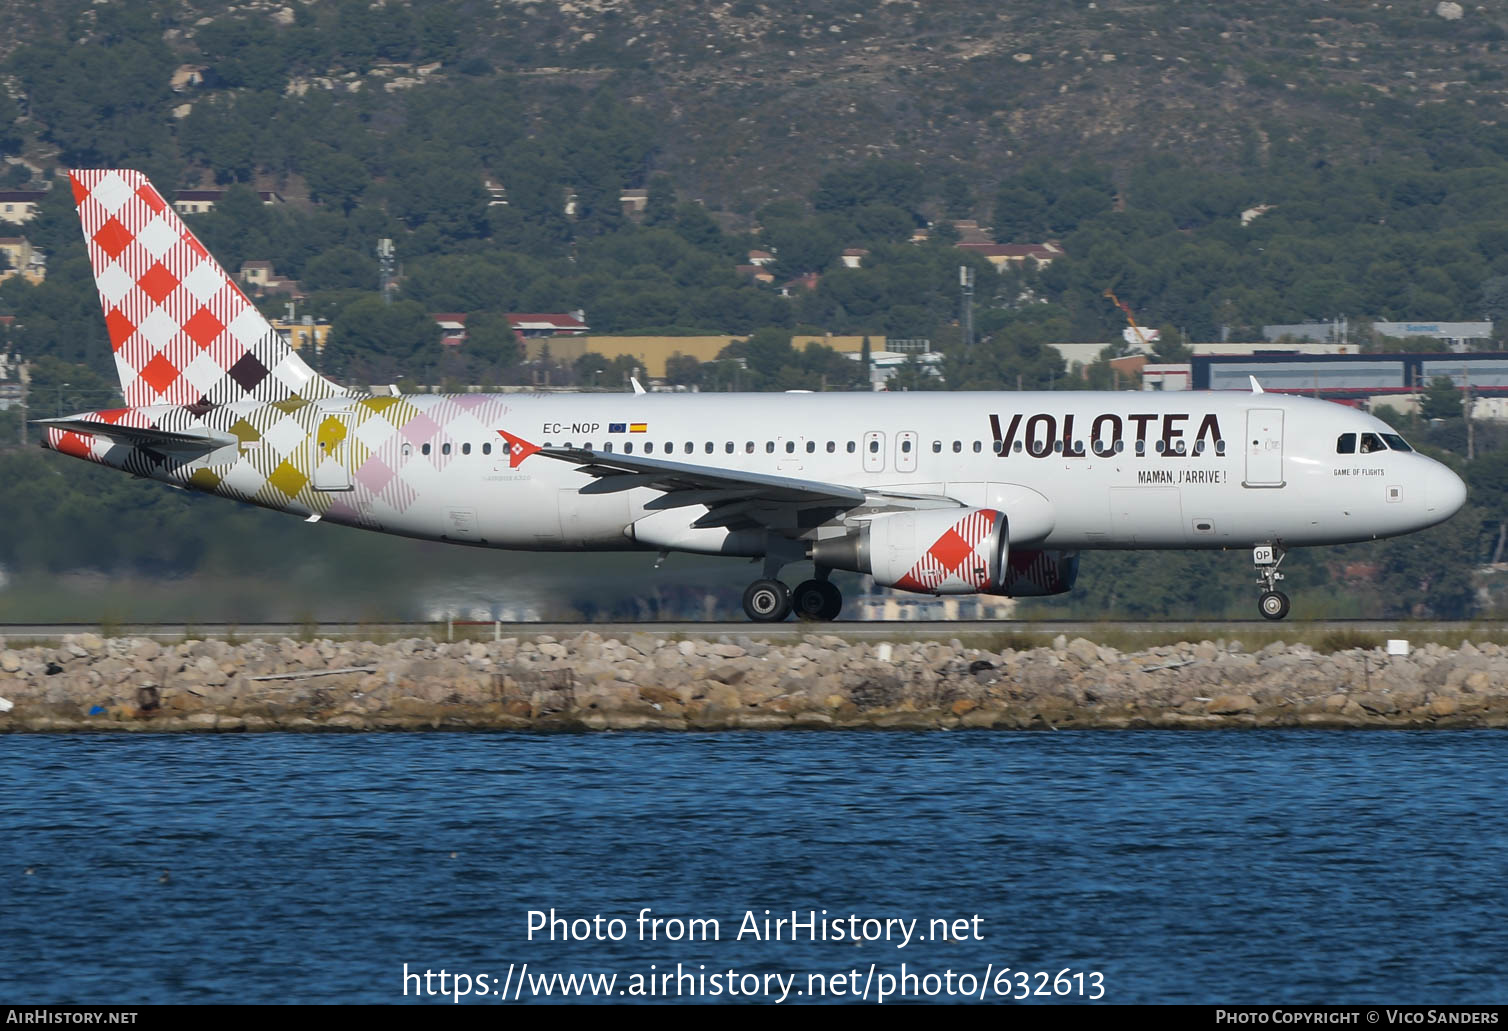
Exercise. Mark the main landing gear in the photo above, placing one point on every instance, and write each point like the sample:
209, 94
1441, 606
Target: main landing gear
769, 601
1273, 604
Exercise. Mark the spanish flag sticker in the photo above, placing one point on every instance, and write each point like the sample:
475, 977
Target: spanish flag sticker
638, 427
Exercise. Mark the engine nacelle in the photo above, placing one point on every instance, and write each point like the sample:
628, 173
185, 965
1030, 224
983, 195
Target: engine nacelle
1034, 574
935, 551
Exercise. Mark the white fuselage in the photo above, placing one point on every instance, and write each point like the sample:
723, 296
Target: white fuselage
1194, 470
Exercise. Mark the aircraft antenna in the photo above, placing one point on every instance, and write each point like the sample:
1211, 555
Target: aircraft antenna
966, 307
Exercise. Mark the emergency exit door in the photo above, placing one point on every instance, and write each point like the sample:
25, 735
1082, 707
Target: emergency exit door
1264, 447
332, 468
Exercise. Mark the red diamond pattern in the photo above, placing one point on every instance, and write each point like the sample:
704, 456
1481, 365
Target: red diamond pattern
951, 550
120, 329
203, 327
148, 196
113, 238
158, 282
159, 373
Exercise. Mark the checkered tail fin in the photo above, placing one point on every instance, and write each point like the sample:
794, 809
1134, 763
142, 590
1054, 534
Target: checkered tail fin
182, 331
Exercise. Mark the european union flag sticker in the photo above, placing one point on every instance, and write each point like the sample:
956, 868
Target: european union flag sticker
617, 427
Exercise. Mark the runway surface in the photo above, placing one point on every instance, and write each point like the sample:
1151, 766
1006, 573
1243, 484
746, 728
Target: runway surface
787, 631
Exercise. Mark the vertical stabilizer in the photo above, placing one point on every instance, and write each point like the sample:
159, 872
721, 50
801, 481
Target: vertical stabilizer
182, 331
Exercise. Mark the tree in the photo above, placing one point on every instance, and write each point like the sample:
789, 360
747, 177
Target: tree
682, 370
660, 207
491, 344
913, 375
334, 178
373, 342
340, 268
1440, 399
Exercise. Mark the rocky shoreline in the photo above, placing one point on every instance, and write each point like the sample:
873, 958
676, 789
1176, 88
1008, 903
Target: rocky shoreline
640, 681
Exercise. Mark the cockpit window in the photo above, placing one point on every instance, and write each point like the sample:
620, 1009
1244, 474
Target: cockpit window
1396, 442
1371, 442
1346, 444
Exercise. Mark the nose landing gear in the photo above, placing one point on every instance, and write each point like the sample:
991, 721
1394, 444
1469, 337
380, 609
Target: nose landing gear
1273, 604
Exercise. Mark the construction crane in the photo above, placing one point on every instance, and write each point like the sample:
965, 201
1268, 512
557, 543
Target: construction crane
1141, 337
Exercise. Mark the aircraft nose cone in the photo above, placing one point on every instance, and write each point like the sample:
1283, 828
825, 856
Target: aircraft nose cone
1445, 493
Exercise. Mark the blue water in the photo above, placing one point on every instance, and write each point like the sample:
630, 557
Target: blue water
1241, 866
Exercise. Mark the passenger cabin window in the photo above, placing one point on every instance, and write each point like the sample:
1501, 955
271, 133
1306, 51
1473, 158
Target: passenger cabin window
486, 449
957, 446
1346, 444
811, 447
1371, 442
769, 447
831, 447
874, 447
445, 449
905, 447
628, 447
978, 447
749, 447
790, 447
466, 449
709, 447
937, 447
728, 447
408, 449
850, 447
649, 447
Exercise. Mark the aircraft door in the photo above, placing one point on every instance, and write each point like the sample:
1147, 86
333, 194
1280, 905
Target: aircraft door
905, 451
874, 452
1264, 448
332, 453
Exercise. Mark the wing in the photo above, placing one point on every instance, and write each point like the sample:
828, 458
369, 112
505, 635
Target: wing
170, 442
735, 498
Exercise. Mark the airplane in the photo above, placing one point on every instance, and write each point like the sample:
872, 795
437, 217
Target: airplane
933, 493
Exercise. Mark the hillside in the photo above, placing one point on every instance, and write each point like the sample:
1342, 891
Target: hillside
753, 100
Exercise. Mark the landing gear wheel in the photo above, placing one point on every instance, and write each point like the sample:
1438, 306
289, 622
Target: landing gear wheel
817, 600
1273, 604
767, 601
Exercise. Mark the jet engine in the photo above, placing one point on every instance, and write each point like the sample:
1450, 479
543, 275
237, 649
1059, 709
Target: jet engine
1034, 574
948, 551
936, 551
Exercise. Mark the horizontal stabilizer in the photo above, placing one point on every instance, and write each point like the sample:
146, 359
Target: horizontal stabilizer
200, 442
